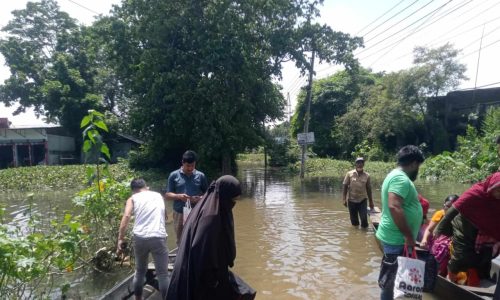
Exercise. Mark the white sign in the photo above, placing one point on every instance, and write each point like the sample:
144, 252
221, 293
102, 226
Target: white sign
305, 138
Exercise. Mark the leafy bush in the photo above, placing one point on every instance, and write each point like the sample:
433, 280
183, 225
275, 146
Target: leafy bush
476, 156
31, 260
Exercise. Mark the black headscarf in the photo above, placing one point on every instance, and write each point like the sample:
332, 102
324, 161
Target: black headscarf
207, 247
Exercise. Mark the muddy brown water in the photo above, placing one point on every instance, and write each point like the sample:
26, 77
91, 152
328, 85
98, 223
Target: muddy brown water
294, 239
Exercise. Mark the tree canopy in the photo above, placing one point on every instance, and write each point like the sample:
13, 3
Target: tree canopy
201, 73
50, 67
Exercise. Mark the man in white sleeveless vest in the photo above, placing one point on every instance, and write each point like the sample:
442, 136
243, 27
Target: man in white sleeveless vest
150, 235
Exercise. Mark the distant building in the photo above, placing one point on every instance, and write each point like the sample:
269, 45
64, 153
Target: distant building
459, 108
34, 146
52, 145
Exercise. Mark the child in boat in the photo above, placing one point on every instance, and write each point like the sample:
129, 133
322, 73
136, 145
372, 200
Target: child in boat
425, 208
439, 248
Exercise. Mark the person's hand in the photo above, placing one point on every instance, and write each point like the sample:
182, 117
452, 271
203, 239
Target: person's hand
120, 246
423, 244
345, 203
410, 242
195, 199
183, 197
372, 207
496, 249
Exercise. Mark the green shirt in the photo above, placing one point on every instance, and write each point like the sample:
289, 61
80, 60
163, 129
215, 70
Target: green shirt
397, 182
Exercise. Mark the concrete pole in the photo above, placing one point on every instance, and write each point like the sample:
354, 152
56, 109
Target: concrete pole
307, 116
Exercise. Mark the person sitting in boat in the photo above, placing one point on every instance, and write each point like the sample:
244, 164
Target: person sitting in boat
477, 209
207, 247
425, 209
440, 248
150, 235
436, 218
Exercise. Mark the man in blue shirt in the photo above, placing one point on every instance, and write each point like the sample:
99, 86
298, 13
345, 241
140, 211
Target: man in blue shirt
185, 184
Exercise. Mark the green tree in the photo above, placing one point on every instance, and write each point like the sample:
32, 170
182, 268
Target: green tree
51, 69
330, 98
375, 122
201, 73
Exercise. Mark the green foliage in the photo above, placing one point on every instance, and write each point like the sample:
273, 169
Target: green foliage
379, 113
33, 256
68, 177
475, 158
52, 68
282, 148
102, 200
200, 74
330, 99
102, 210
325, 167
251, 157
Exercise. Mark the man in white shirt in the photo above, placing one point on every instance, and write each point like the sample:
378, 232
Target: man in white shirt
150, 235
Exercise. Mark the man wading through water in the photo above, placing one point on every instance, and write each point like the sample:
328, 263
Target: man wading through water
401, 215
357, 185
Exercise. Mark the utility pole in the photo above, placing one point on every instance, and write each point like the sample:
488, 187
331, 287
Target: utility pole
288, 110
477, 67
307, 116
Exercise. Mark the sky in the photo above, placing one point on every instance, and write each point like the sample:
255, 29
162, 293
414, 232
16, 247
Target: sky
391, 29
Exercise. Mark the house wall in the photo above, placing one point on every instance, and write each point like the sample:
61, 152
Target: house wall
61, 149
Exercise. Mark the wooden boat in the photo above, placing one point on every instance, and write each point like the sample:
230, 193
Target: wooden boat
125, 288
444, 288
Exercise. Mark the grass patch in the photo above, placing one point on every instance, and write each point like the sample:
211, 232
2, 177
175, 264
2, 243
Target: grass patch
326, 167
251, 158
38, 178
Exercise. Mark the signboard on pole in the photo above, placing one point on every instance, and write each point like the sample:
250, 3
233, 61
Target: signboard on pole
305, 138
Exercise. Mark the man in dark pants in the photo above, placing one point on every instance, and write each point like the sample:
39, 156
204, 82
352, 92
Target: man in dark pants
401, 215
357, 185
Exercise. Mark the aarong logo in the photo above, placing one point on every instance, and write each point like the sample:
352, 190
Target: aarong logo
414, 292
415, 276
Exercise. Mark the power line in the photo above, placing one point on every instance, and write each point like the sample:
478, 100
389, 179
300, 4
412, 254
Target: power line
393, 16
482, 86
392, 35
84, 7
440, 39
467, 21
484, 35
380, 17
419, 28
393, 25
470, 53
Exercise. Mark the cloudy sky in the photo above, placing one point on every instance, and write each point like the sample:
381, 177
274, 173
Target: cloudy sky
390, 28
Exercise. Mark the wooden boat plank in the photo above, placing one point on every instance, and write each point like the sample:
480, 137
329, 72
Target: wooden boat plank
446, 289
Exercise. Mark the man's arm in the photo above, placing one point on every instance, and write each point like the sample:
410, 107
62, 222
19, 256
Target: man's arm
344, 194
174, 196
444, 226
369, 193
127, 214
395, 203
170, 194
345, 183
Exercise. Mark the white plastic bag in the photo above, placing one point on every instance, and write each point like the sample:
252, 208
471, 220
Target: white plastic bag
185, 211
409, 281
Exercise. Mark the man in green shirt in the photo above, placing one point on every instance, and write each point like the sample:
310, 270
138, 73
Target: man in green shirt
401, 214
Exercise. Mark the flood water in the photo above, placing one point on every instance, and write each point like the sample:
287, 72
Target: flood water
294, 239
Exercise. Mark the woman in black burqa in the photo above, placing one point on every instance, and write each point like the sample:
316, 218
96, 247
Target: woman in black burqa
207, 247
